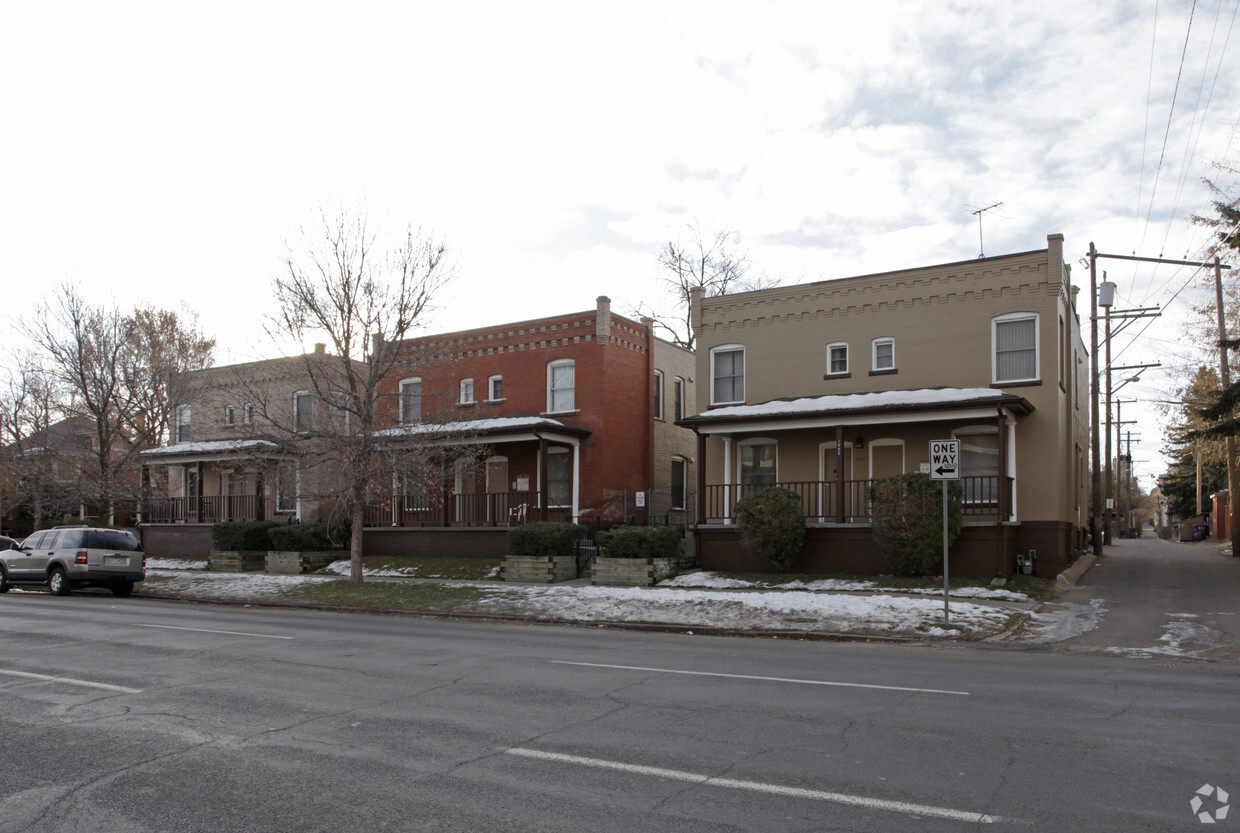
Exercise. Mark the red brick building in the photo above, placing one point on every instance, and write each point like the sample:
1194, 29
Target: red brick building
568, 417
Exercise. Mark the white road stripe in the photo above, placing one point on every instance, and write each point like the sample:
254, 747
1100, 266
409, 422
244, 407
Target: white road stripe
766, 679
71, 681
905, 807
204, 630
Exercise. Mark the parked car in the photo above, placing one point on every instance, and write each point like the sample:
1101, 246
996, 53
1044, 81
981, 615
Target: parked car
68, 557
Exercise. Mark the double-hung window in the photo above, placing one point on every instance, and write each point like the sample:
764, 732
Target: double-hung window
758, 464
678, 398
410, 401
837, 359
183, 414
884, 355
467, 391
658, 394
229, 416
286, 487
1015, 345
302, 411
727, 375
495, 388
559, 477
561, 386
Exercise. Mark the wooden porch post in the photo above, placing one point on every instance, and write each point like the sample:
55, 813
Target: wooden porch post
701, 477
839, 474
542, 478
260, 500
1005, 509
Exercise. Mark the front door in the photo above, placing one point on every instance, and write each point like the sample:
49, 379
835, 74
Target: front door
831, 495
497, 489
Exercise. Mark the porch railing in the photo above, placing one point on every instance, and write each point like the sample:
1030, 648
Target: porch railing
206, 509
471, 509
824, 501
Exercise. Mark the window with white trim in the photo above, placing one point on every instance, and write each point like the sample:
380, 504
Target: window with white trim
247, 413
837, 359
727, 375
286, 487
183, 417
1015, 348
658, 394
678, 398
303, 411
559, 477
410, 401
883, 354
561, 386
230, 417
495, 388
467, 391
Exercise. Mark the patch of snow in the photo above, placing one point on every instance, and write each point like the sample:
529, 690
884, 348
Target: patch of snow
174, 564
857, 401
708, 579
228, 585
1055, 623
1177, 637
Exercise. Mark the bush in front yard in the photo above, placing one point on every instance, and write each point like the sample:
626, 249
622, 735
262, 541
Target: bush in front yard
241, 536
641, 542
907, 513
317, 537
545, 538
772, 526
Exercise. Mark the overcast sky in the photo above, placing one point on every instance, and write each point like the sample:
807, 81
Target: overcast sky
166, 152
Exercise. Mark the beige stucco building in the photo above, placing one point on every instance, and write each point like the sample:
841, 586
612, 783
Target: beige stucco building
823, 387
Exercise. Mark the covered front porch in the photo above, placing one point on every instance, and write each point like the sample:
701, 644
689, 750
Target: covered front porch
829, 450
494, 472
222, 480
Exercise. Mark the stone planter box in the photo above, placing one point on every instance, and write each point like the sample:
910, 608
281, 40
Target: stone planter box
637, 572
234, 561
294, 563
539, 569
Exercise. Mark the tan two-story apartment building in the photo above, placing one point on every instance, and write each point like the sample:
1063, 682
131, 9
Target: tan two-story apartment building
827, 386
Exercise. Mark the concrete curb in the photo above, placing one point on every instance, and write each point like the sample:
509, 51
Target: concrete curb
1069, 577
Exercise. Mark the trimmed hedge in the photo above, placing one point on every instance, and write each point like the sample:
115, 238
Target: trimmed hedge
318, 537
545, 538
241, 536
641, 542
772, 526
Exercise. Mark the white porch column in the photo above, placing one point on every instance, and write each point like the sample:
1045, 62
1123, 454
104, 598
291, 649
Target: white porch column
395, 498
1010, 464
576, 480
727, 479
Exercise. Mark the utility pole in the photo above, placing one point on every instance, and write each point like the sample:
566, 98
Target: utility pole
1233, 504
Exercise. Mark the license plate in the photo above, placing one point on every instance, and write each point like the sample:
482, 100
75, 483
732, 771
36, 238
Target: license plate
118, 560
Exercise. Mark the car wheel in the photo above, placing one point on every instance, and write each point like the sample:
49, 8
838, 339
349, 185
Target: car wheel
4, 581
58, 582
124, 589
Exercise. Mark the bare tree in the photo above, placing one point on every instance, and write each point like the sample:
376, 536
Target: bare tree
31, 459
711, 261
346, 285
115, 366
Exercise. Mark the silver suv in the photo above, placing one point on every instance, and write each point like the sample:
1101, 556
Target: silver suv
64, 558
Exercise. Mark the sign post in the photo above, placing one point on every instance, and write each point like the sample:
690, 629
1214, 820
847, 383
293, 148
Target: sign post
945, 466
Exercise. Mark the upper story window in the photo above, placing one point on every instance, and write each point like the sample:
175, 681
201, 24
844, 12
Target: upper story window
183, 415
495, 388
410, 401
229, 416
561, 386
1015, 343
658, 394
727, 375
467, 391
340, 415
883, 356
247, 413
303, 411
837, 359
678, 398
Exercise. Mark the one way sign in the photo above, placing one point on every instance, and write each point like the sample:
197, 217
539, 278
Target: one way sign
945, 459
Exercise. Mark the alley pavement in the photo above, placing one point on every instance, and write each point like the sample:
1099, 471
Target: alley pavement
1161, 598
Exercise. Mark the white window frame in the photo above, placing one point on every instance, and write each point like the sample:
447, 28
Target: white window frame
678, 398
247, 413
467, 391
230, 416
552, 391
658, 395
495, 384
833, 346
714, 353
405, 419
874, 345
994, 346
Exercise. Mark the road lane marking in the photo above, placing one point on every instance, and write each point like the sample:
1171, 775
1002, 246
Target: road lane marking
904, 807
205, 630
47, 678
765, 679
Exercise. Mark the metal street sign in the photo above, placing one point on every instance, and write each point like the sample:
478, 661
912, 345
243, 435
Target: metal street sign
945, 459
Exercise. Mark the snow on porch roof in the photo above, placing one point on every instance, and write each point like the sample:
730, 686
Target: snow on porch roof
485, 427
211, 447
921, 399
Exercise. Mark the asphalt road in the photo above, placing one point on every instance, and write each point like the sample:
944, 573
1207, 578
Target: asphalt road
137, 715
1162, 599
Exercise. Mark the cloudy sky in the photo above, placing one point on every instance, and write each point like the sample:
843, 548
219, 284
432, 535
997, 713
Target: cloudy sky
166, 152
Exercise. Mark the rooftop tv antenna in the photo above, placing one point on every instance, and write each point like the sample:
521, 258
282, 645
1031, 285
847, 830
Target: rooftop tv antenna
980, 248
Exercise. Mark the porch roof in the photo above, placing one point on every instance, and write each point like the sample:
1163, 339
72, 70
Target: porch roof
493, 429
917, 405
217, 449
